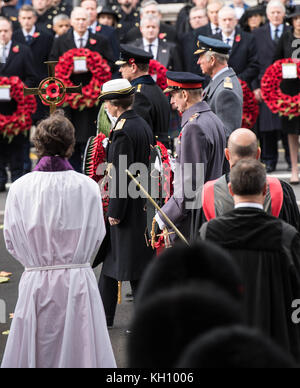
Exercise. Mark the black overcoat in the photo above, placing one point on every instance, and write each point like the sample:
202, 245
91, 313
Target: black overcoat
124, 249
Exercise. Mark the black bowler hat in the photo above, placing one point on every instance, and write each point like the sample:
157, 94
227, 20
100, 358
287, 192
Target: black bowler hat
183, 80
205, 44
130, 54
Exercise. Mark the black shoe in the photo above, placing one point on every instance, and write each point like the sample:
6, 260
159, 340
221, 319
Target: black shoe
270, 168
2, 188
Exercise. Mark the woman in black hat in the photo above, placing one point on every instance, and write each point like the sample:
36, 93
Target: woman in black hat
253, 18
287, 49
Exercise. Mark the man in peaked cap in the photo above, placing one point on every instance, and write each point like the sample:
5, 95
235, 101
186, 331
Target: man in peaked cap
224, 93
124, 248
150, 102
200, 149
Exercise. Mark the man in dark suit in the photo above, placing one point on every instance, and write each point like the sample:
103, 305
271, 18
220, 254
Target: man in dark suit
212, 27
150, 102
150, 8
243, 56
270, 126
16, 60
129, 17
164, 52
98, 29
83, 121
40, 44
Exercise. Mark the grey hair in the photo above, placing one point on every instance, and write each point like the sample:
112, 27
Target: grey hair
79, 9
194, 9
275, 3
149, 18
220, 58
146, 3
60, 18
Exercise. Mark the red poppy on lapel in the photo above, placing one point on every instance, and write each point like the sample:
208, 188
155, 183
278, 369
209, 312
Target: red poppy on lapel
98, 28
93, 41
162, 35
36, 35
16, 49
238, 38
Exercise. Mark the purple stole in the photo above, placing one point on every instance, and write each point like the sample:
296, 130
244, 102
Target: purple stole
52, 164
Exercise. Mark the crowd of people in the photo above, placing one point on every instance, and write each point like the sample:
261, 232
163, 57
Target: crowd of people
227, 298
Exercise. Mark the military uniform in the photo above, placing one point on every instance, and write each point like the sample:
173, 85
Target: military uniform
224, 93
202, 141
126, 21
45, 21
124, 250
150, 102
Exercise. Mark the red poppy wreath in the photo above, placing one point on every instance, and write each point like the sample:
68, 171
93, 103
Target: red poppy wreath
20, 120
276, 100
250, 107
156, 68
100, 74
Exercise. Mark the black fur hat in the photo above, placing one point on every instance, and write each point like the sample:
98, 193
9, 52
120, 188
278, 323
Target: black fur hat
234, 347
169, 321
180, 265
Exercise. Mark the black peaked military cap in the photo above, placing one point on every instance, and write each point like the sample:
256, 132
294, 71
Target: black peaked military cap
183, 80
205, 44
130, 54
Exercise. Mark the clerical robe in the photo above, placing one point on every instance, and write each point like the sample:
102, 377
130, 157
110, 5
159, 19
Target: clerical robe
53, 224
267, 251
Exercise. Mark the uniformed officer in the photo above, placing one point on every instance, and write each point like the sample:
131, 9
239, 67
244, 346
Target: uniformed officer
124, 250
200, 149
150, 102
224, 93
129, 17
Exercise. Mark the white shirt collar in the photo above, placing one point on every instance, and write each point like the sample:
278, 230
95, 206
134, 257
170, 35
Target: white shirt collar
93, 27
220, 72
147, 43
231, 37
273, 28
249, 204
84, 37
31, 33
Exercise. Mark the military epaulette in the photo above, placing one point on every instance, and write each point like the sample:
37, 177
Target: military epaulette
139, 88
13, 19
228, 83
120, 125
195, 115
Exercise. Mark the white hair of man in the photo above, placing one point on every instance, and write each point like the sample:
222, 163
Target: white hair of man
220, 2
148, 18
277, 4
79, 10
221, 59
225, 11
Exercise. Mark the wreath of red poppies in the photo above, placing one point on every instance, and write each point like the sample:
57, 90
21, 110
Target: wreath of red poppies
100, 74
276, 100
156, 68
250, 106
20, 120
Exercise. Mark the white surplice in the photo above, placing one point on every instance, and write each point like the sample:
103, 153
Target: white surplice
55, 218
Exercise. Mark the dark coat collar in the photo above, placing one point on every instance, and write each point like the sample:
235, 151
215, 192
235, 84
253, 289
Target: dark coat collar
145, 79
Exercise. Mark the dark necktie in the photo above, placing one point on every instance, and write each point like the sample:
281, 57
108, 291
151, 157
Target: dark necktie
228, 41
150, 49
217, 31
29, 39
80, 42
276, 36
